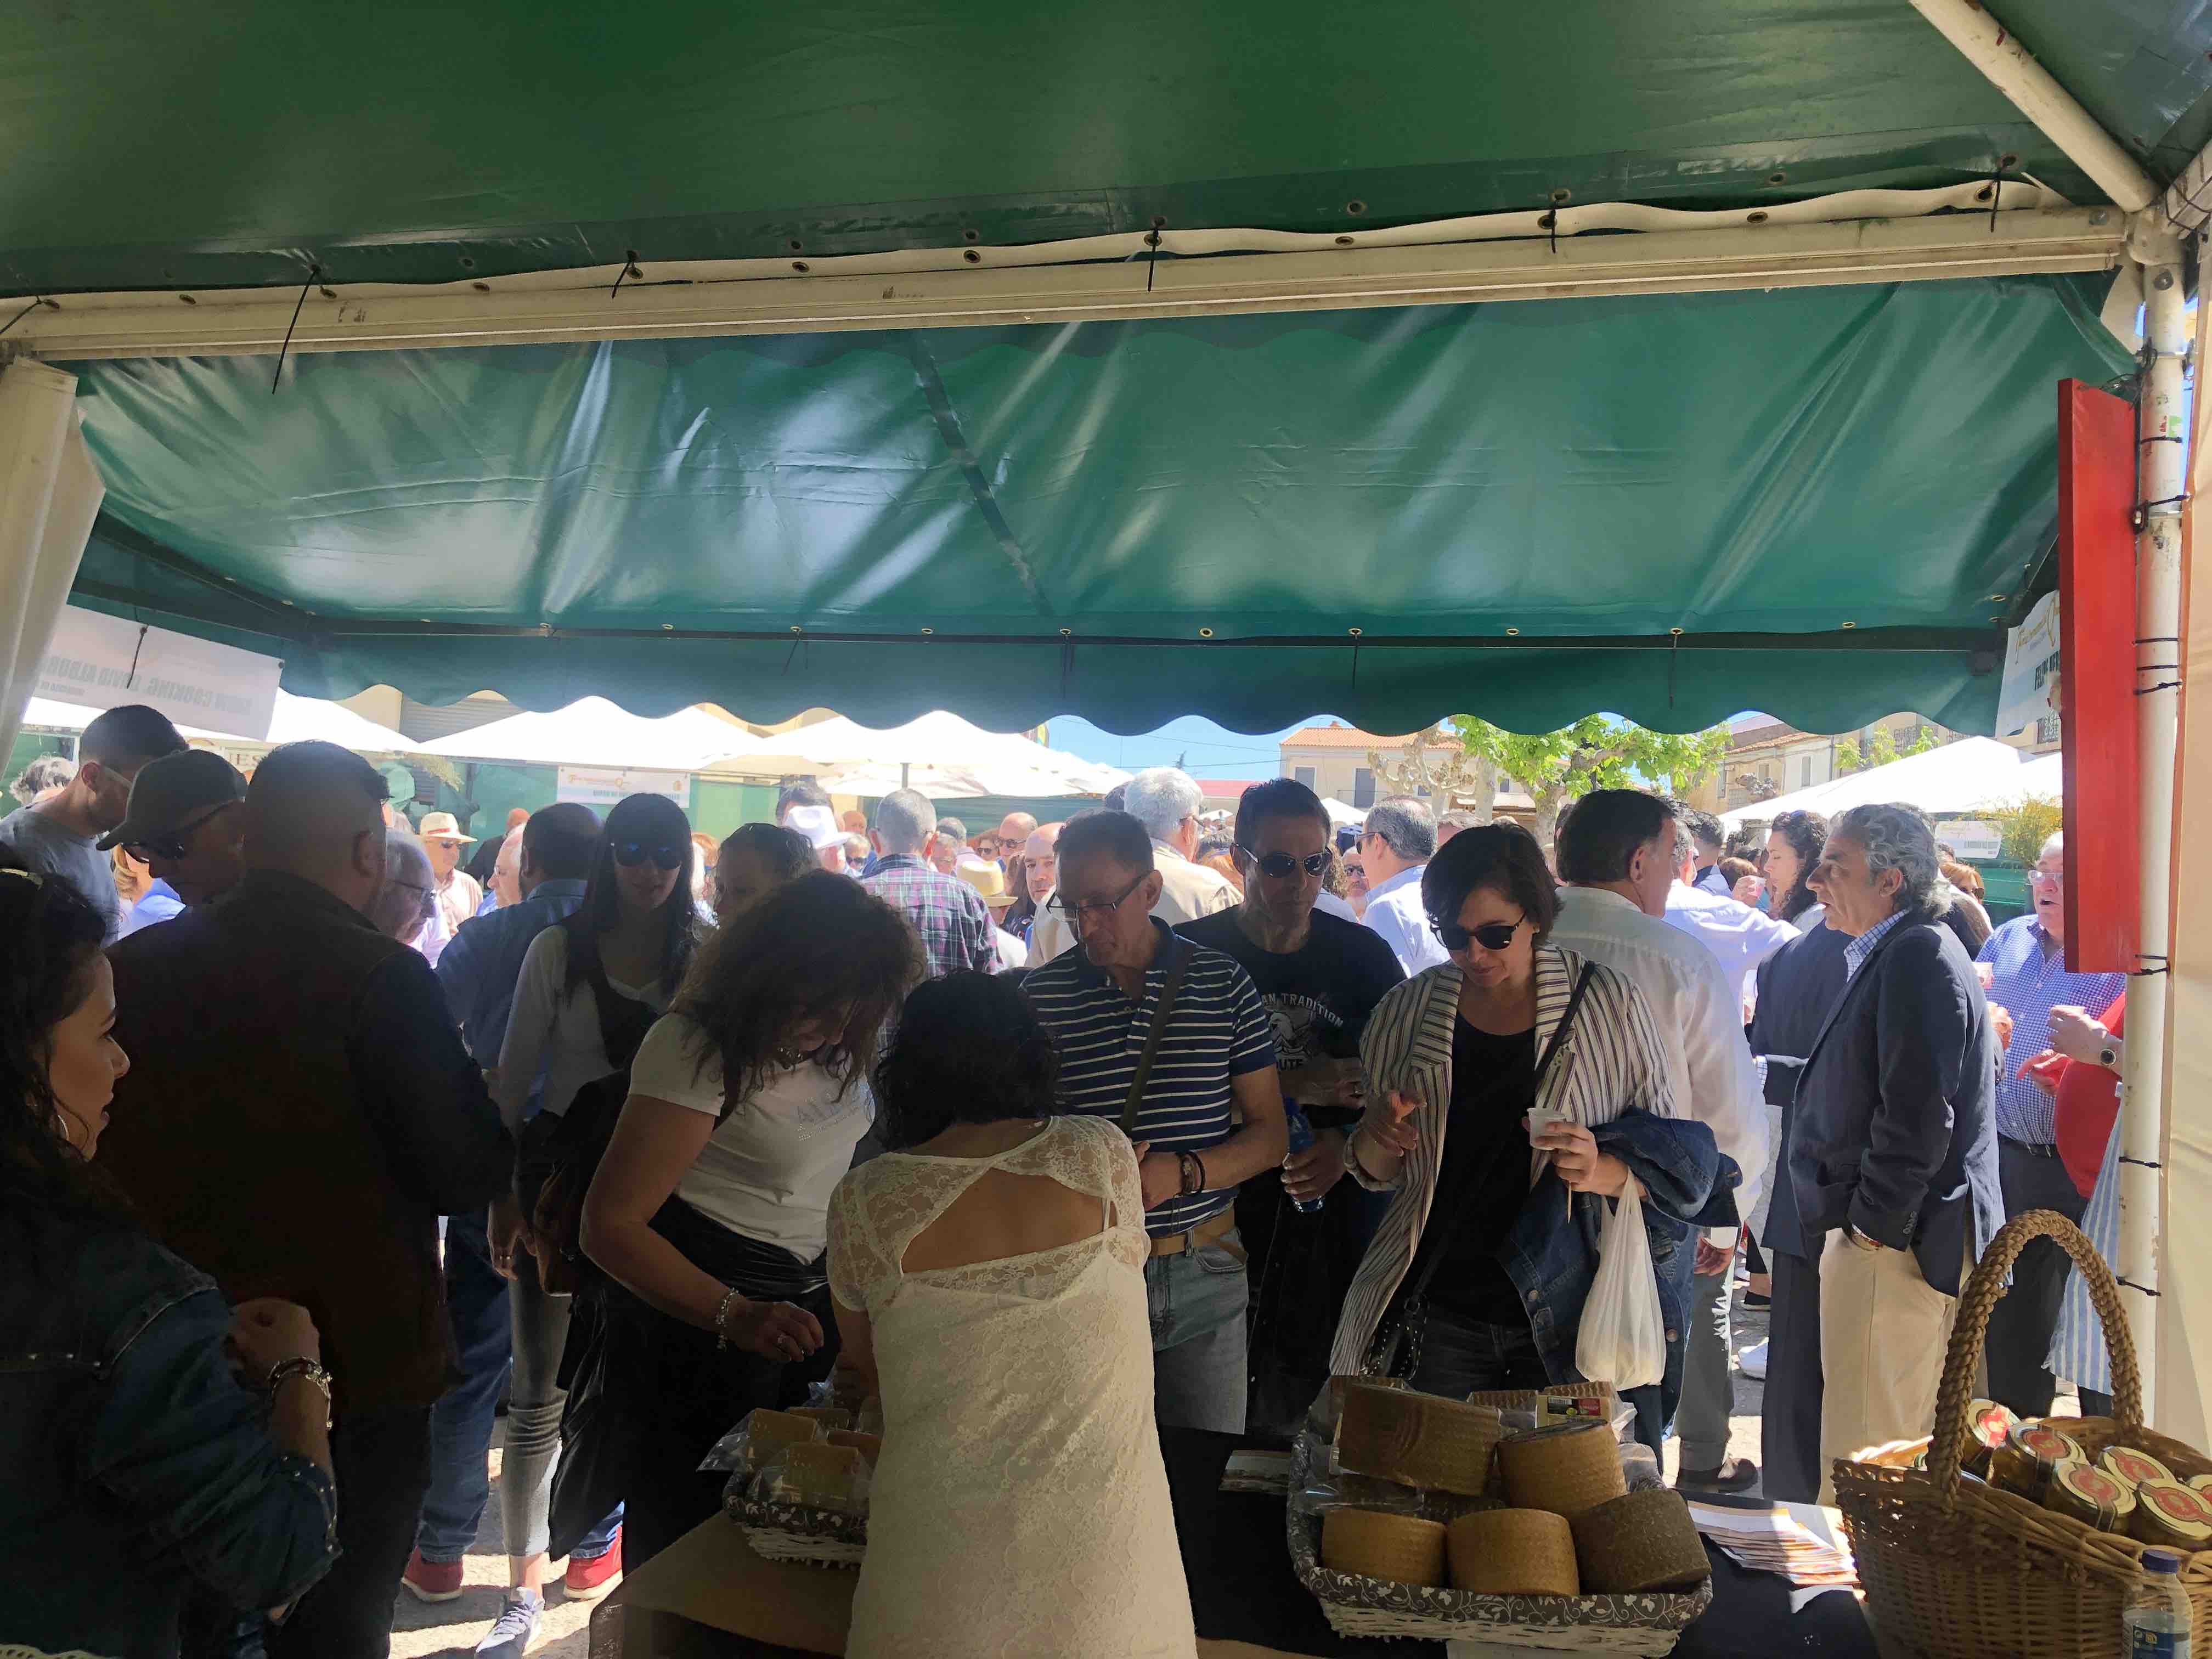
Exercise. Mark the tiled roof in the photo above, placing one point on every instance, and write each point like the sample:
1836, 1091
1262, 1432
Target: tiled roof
1342, 737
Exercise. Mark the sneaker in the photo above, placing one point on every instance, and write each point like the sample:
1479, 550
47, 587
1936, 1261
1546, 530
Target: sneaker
1751, 1362
432, 1581
511, 1632
588, 1580
1734, 1474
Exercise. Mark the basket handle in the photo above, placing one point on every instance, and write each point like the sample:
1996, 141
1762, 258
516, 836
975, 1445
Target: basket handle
1971, 1329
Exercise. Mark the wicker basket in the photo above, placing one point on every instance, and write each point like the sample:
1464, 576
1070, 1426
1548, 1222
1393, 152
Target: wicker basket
1649, 1622
1956, 1569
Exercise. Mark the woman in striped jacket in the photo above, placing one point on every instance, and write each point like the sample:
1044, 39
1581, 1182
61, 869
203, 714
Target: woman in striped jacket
1478, 1273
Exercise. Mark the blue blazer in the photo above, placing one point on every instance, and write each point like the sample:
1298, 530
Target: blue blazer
1894, 1130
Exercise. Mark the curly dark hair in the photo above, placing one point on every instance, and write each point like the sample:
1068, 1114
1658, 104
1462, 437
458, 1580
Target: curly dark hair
821, 947
1503, 857
1807, 836
54, 937
969, 1049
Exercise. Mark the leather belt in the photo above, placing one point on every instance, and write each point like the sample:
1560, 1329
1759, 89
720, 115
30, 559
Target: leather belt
2033, 1148
1205, 1232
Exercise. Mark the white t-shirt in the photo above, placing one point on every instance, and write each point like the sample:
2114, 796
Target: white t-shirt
769, 1169
554, 1035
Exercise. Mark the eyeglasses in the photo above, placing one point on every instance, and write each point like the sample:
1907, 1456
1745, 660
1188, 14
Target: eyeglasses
631, 853
1076, 914
1282, 864
1490, 936
173, 845
2046, 877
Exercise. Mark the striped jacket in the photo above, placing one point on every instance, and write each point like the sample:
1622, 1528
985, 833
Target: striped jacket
1611, 1062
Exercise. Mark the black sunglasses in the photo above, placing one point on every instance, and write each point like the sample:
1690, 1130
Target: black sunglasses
173, 845
630, 853
1490, 936
1282, 864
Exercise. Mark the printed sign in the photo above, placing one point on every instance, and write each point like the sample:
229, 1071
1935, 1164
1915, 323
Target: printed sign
603, 786
2030, 690
1969, 838
99, 661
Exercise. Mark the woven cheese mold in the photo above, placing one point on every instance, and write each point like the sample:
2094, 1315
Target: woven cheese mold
1568, 1468
1645, 1541
1513, 1552
1402, 1548
1420, 1439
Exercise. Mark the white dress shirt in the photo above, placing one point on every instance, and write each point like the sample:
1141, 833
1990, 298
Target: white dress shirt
1330, 905
1187, 891
1394, 910
1700, 1019
1735, 933
554, 1033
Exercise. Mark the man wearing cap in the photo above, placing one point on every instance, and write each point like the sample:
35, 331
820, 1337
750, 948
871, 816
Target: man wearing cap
183, 824
819, 824
459, 894
59, 836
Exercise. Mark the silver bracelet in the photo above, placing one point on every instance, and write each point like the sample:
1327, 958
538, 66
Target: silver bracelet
730, 1299
299, 1365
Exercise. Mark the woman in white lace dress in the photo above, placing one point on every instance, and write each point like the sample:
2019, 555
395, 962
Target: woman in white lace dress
989, 1277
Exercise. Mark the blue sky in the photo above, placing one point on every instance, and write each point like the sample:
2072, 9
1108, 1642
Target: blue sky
1206, 751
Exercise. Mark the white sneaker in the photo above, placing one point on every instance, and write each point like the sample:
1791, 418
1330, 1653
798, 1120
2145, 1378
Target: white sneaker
1751, 1362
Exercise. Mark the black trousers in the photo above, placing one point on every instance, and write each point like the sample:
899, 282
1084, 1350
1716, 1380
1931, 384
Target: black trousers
2021, 1324
1790, 1419
382, 1462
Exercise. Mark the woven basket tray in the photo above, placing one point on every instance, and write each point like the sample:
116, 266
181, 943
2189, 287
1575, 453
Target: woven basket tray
784, 1532
1647, 1624
1956, 1569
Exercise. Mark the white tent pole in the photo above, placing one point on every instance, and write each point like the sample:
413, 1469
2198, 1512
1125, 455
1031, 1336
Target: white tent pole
2162, 429
1995, 51
50, 494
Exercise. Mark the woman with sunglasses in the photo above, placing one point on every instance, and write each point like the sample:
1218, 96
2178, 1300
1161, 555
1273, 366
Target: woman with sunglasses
1510, 1091
590, 989
710, 1210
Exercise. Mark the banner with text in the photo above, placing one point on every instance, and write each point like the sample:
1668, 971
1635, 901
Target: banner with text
99, 661
603, 786
2029, 692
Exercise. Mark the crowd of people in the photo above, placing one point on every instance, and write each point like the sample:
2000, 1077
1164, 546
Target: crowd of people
331, 1141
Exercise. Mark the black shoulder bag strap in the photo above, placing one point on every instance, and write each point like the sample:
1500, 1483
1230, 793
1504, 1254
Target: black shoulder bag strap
1184, 951
1383, 1355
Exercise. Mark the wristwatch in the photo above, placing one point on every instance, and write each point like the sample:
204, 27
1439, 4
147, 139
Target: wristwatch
2108, 1055
1867, 1241
301, 1366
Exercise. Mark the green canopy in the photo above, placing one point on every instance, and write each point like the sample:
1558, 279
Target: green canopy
1387, 514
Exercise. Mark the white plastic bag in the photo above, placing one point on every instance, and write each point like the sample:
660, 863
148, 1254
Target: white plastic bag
1623, 1340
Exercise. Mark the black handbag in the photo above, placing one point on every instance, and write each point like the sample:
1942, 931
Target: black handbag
1396, 1349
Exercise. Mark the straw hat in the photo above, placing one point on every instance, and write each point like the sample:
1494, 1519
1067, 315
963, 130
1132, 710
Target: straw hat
441, 826
988, 879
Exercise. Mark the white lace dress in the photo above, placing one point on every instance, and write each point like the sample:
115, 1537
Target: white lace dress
1020, 1506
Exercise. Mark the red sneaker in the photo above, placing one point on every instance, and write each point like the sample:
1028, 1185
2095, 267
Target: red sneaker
587, 1580
432, 1581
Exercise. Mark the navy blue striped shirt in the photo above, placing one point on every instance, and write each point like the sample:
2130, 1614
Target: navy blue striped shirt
1218, 1029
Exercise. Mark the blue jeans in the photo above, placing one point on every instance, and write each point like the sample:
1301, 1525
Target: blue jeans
1197, 1301
1461, 1356
461, 1421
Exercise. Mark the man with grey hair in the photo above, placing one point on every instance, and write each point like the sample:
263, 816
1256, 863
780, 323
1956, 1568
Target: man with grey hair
954, 922
2028, 975
1166, 802
1892, 1154
1395, 844
406, 906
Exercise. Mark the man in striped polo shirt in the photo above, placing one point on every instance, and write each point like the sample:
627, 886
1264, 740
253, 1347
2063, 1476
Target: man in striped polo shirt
1215, 1064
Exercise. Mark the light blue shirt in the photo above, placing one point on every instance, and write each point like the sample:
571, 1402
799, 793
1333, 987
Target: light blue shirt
1856, 952
2028, 982
1394, 910
159, 902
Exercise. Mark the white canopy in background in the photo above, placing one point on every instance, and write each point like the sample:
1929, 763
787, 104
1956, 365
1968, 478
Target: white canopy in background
941, 755
2045, 776
1340, 816
595, 733
1956, 780
296, 720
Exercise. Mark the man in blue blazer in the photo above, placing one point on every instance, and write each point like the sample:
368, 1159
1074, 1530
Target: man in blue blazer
1892, 1154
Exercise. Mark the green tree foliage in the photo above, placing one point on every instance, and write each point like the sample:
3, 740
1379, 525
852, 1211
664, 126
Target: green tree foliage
1558, 768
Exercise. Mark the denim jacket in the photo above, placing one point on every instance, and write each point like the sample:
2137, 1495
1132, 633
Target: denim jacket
1611, 1076
133, 1466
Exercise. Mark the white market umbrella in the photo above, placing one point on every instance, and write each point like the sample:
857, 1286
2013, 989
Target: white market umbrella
1341, 816
1956, 778
596, 733
296, 720
2045, 776
938, 754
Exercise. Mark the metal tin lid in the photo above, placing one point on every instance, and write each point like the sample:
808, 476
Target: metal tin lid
2134, 1467
2167, 1512
2089, 1494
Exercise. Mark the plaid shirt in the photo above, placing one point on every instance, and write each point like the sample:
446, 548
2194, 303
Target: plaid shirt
954, 922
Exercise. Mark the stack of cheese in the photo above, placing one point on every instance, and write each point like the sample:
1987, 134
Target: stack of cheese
809, 1457
1566, 1523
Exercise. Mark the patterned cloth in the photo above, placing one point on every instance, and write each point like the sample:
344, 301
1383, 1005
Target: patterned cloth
1856, 952
954, 922
2078, 1353
2029, 981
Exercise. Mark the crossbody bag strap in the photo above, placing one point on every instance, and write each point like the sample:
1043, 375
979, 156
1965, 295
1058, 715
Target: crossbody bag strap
1184, 951
1473, 1175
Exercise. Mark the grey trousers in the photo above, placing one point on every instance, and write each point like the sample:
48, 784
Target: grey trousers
1701, 1418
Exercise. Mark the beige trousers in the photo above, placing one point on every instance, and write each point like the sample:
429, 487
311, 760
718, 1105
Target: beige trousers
1883, 1335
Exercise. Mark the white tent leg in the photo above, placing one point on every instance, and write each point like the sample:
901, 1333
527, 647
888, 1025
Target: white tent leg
1994, 50
2163, 472
50, 494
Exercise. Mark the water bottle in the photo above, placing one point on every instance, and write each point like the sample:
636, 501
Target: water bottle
1302, 1136
2156, 1617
